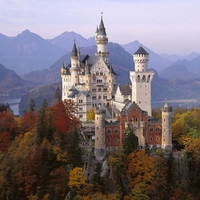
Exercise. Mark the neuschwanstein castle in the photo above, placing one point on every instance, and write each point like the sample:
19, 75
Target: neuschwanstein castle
90, 82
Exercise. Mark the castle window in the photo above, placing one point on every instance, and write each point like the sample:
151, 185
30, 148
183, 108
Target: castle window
157, 129
99, 97
80, 116
108, 141
93, 89
99, 89
116, 130
80, 101
104, 89
151, 138
80, 109
97, 73
109, 131
116, 140
94, 98
157, 138
104, 97
151, 129
101, 73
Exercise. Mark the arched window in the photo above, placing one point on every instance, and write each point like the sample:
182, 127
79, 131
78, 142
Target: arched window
143, 78
138, 79
157, 129
116, 130
151, 129
109, 131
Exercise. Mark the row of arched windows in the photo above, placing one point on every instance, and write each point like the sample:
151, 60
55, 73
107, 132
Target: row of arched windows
143, 79
151, 129
109, 131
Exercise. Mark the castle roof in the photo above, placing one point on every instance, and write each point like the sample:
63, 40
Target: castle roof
141, 51
74, 50
101, 30
125, 89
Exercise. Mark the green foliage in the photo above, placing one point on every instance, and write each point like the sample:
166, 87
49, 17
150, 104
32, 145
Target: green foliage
4, 107
57, 96
31, 105
131, 141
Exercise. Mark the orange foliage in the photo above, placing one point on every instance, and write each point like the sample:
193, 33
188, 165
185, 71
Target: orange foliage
28, 121
5, 141
63, 115
7, 121
59, 179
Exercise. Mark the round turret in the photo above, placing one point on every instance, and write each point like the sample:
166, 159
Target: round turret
100, 146
166, 126
141, 59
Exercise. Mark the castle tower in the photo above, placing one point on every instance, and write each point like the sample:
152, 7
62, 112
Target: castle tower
74, 66
100, 146
141, 80
87, 77
101, 41
166, 126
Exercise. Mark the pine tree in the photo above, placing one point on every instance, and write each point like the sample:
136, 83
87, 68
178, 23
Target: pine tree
131, 142
50, 128
57, 96
41, 126
31, 105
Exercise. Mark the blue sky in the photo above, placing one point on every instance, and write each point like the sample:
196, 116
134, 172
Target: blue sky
165, 26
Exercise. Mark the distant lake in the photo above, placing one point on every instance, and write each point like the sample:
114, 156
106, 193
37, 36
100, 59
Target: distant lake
13, 102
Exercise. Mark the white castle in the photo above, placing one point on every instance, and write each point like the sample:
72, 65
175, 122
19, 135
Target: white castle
90, 82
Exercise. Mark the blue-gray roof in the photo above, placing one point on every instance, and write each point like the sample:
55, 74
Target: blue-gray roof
141, 51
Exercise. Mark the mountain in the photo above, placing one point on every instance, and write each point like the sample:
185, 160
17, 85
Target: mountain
175, 57
183, 69
156, 61
121, 60
178, 70
28, 51
11, 84
66, 41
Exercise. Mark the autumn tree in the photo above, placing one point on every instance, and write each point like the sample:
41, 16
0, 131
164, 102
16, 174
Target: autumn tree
91, 114
77, 181
141, 170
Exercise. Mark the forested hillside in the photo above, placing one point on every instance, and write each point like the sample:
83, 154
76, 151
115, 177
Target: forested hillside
41, 159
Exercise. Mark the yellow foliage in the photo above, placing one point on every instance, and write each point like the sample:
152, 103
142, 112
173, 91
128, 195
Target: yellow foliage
91, 114
76, 178
141, 168
60, 155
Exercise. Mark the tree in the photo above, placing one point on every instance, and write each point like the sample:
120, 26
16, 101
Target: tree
77, 180
41, 126
131, 141
141, 169
31, 105
97, 180
91, 114
57, 96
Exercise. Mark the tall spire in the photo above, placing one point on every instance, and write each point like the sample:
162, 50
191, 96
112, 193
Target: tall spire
102, 30
74, 50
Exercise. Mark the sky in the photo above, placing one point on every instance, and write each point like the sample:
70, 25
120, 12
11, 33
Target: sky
164, 26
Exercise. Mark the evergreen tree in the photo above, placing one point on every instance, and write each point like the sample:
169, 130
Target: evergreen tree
50, 128
97, 180
31, 105
41, 126
74, 153
57, 96
131, 142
